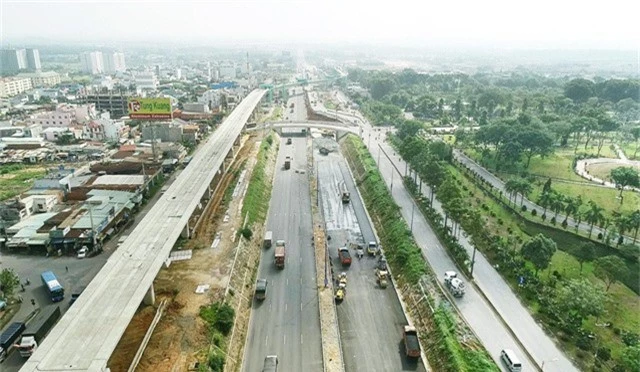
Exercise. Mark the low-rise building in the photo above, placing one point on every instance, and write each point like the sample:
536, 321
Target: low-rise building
65, 115
12, 86
42, 79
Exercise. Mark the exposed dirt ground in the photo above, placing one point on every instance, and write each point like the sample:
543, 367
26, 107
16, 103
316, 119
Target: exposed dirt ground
180, 338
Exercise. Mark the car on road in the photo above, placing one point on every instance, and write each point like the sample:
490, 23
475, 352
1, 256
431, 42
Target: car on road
510, 359
270, 363
288, 141
261, 289
372, 248
82, 253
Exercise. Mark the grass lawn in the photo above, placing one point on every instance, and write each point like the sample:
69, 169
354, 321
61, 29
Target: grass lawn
603, 170
558, 167
604, 197
629, 149
329, 104
16, 179
623, 304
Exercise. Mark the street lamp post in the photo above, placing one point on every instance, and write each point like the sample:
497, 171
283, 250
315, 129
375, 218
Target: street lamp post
413, 208
93, 232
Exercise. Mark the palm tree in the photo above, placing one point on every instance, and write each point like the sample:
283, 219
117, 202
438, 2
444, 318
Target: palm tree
524, 188
623, 223
569, 209
634, 223
557, 204
545, 201
511, 186
593, 215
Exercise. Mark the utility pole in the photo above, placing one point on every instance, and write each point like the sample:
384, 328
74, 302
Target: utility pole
153, 141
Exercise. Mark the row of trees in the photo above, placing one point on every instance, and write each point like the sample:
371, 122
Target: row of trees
565, 303
482, 98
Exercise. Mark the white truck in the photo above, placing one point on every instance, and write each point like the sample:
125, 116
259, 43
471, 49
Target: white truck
454, 284
37, 330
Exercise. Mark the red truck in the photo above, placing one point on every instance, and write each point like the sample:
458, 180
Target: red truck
279, 254
411, 343
345, 256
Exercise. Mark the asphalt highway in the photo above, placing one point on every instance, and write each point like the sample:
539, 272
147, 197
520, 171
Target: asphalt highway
287, 322
370, 318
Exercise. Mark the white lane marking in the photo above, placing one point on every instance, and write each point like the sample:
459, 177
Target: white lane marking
300, 306
285, 339
287, 281
301, 339
266, 340
285, 307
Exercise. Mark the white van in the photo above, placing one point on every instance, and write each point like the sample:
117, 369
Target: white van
510, 360
268, 239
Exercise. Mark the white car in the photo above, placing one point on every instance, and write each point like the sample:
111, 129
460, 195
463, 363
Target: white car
82, 253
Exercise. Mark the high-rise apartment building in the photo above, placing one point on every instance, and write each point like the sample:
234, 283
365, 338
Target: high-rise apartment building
113, 62
13, 60
33, 60
92, 62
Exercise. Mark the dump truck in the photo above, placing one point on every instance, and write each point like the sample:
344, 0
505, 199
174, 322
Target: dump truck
411, 344
8, 337
287, 162
37, 330
454, 284
279, 254
345, 256
261, 289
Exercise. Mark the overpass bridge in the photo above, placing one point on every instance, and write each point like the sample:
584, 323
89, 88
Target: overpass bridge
341, 128
88, 333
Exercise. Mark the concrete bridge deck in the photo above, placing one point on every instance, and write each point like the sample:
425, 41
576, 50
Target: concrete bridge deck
87, 334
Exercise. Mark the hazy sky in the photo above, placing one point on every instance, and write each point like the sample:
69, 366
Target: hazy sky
509, 23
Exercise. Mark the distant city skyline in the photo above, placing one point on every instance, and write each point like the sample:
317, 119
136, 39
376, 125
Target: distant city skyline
495, 23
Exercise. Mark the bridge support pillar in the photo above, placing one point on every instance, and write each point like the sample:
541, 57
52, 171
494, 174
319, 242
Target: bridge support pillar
186, 232
150, 297
236, 142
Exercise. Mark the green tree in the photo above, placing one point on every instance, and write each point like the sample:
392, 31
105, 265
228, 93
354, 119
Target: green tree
610, 269
625, 176
593, 215
569, 209
631, 357
587, 254
635, 133
511, 187
579, 90
634, 224
545, 200
433, 173
8, 281
524, 188
381, 87
579, 299
539, 251
535, 142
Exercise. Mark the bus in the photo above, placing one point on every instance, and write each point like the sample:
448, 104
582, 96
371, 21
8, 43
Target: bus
52, 284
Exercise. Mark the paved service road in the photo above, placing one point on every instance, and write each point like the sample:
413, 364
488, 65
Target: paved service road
287, 322
476, 311
370, 318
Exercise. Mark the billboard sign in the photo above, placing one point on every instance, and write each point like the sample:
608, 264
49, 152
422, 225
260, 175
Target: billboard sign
149, 108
